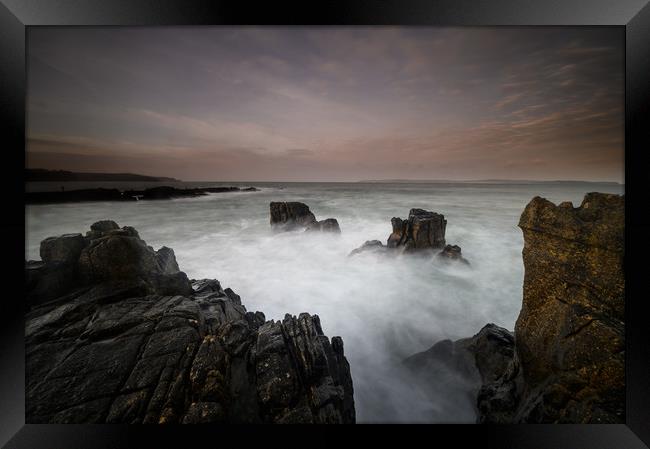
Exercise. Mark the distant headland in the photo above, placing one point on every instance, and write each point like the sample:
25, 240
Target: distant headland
43, 175
485, 181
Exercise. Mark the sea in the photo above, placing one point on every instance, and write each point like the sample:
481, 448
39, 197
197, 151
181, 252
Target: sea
384, 308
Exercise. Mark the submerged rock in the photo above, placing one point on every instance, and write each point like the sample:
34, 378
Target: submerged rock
134, 341
327, 225
452, 253
374, 246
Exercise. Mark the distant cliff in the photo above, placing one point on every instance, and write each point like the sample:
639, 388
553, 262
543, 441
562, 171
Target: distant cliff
42, 175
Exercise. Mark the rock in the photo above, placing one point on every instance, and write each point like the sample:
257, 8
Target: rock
65, 248
167, 260
291, 215
104, 226
452, 252
327, 225
109, 351
373, 246
459, 368
422, 230
569, 362
571, 328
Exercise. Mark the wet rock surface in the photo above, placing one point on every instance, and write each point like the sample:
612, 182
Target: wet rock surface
126, 338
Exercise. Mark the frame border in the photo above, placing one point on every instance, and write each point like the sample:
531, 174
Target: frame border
632, 15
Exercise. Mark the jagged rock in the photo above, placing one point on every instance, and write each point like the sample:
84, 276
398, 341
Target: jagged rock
327, 225
452, 252
422, 230
108, 351
290, 215
373, 246
570, 364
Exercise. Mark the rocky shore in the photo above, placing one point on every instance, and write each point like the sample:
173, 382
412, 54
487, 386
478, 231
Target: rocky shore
565, 362
102, 194
115, 333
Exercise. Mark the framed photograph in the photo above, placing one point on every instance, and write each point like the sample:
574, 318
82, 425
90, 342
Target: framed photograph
415, 220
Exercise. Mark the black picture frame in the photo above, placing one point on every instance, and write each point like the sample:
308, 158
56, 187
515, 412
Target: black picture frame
632, 15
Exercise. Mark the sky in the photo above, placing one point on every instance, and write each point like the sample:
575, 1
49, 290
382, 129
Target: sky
328, 103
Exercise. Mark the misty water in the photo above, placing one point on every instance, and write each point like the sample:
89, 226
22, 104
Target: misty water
385, 309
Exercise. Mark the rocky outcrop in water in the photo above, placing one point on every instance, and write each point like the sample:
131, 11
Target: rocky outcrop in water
288, 216
422, 230
568, 359
102, 194
119, 335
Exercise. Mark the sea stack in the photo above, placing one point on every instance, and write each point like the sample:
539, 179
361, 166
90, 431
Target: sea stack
422, 230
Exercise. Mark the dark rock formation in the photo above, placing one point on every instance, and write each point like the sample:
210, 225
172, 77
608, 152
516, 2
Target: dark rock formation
294, 215
570, 364
452, 252
101, 194
106, 253
291, 215
123, 340
422, 230
568, 359
327, 225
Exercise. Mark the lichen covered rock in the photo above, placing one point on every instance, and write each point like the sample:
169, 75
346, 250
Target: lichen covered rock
569, 364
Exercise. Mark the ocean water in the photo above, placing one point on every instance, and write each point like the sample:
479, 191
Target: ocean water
385, 309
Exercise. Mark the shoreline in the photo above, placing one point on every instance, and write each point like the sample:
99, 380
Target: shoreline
104, 194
